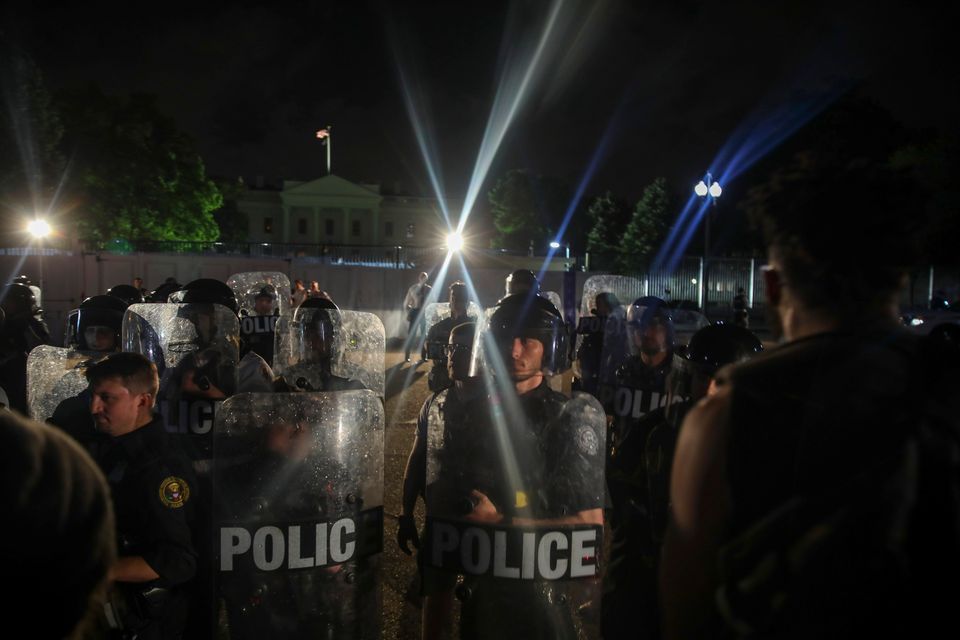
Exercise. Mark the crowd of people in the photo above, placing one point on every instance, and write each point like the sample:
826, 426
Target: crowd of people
805, 490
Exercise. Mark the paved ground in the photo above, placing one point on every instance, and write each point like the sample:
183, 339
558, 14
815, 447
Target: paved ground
405, 393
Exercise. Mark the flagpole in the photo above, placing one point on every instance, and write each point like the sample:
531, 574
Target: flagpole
329, 144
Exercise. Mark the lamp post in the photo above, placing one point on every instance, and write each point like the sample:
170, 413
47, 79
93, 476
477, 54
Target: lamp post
39, 229
707, 188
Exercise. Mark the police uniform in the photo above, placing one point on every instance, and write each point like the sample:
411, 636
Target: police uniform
257, 334
640, 389
560, 465
153, 489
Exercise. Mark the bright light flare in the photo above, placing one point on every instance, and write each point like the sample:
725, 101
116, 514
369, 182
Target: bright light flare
715, 190
701, 189
39, 228
554, 245
454, 242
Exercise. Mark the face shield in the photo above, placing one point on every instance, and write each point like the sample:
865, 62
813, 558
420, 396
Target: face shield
520, 318
315, 335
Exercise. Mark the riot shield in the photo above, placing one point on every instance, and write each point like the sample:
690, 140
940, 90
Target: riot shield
500, 486
614, 353
247, 285
196, 350
258, 324
298, 504
625, 288
554, 299
54, 376
326, 347
687, 322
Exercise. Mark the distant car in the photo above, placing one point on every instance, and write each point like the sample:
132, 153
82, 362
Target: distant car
924, 321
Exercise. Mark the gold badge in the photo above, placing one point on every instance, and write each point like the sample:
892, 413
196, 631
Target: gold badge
174, 492
521, 500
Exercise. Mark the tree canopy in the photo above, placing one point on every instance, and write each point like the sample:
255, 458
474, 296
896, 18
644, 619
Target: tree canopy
140, 177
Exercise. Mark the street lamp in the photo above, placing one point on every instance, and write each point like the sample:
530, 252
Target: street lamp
454, 242
711, 189
39, 229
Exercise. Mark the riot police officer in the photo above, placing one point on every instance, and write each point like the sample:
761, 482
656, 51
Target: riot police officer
590, 352
641, 379
638, 477
127, 292
435, 346
153, 491
20, 333
521, 281
96, 330
519, 456
318, 339
258, 331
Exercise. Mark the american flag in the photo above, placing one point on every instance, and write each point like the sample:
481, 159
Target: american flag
323, 133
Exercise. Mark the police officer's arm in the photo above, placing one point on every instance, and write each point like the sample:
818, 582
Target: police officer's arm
414, 481
701, 506
171, 555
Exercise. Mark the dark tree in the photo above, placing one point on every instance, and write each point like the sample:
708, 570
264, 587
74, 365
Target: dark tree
647, 228
609, 217
526, 209
139, 177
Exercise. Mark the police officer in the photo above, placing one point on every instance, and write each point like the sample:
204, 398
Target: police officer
590, 353
319, 342
435, 346
552, 475
259, 330
153, 492
641, 379
21, 332
128, 293
96, 329
638, 476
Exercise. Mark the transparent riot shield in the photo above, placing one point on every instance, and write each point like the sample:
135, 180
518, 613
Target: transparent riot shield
249, 284
514, 513
687, 322
196, 350
437, 311
601, 341
554, 299
625, 288
54, 376
264, 298
298, 504
330, 350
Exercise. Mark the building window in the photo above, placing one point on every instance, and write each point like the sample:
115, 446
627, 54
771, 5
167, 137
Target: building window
388, 229
410, 230
268, 225
329, 227
356, 228
302, 226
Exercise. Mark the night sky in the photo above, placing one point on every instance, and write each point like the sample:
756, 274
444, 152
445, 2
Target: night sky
665, 87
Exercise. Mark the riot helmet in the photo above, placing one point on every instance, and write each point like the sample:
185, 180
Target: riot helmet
126, 292
522, 317
207, 290
710, 349
99, 323
164, 291
19, 303
316, 330
264, 300
522, 281
650, 327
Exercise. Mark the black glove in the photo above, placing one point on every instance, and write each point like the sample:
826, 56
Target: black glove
407, 532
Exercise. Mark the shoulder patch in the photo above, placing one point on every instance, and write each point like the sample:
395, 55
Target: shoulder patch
587, 441
174, 492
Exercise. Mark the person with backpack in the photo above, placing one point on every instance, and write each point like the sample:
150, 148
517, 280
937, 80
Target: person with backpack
815, 495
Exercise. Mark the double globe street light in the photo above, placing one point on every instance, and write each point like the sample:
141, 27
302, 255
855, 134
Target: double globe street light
707, 188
